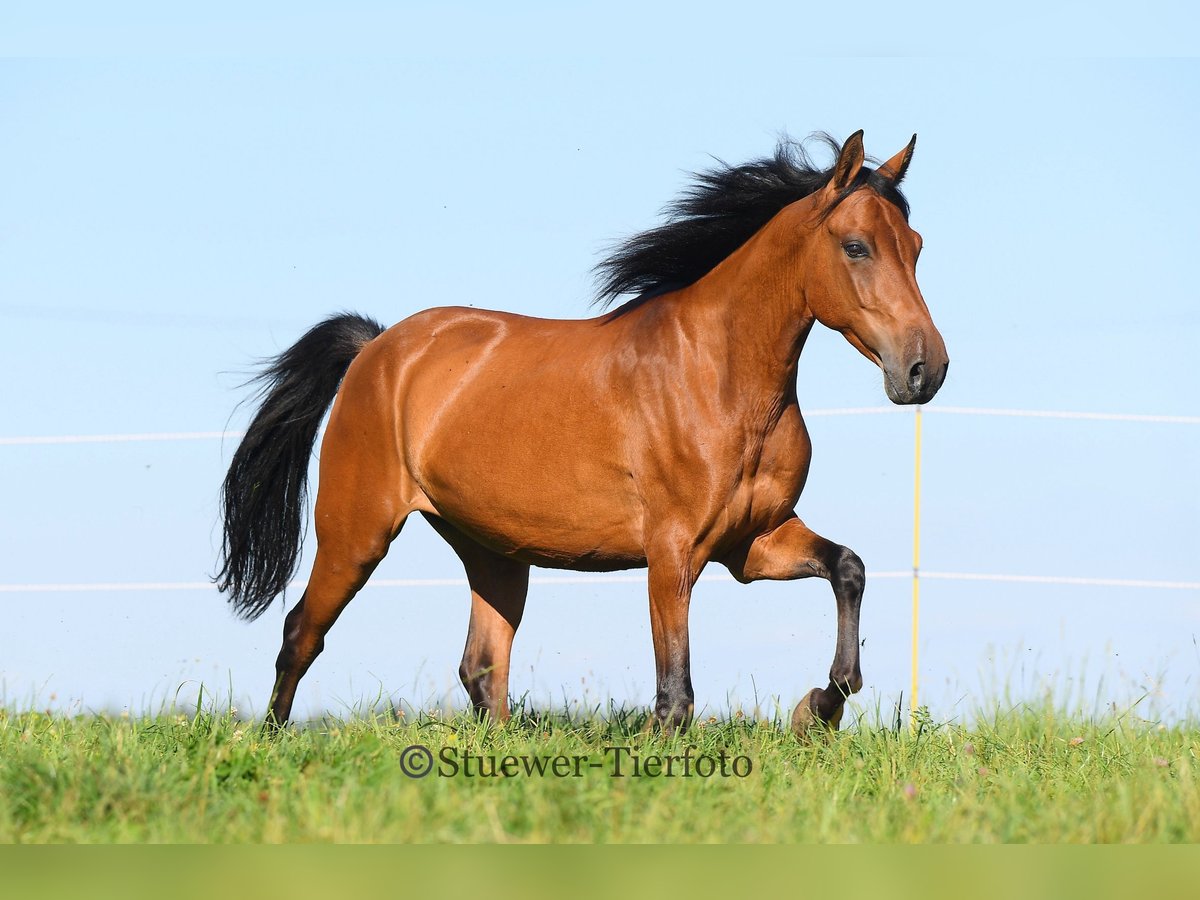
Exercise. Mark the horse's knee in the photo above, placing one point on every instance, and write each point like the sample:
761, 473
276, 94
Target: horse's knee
848, 574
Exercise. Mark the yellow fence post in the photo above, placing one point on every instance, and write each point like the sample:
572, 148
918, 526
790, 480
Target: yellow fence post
916, 586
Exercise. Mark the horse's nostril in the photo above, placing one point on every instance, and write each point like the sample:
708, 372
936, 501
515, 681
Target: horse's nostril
916, 376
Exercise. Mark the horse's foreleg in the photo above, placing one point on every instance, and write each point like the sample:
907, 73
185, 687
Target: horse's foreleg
670, 583
794, 551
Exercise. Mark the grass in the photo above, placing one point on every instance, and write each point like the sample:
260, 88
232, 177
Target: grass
1027, 775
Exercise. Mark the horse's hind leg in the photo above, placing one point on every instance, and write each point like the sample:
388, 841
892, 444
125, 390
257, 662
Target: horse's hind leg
794, 551
352, 537
498, 590
336, 578
499, 587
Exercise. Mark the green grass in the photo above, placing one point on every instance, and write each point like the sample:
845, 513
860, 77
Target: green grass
1024, 775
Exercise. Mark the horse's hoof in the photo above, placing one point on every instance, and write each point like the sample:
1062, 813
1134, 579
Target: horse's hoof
805, 720
667, 728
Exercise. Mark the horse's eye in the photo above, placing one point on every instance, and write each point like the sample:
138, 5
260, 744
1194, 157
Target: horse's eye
855, 249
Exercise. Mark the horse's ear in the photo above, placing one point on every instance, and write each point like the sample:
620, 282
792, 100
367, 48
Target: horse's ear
849, 161
893, 170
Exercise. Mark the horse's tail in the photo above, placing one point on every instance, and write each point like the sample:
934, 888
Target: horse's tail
263, 497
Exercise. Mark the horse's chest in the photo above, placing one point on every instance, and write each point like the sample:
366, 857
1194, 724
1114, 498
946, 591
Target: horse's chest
771, 477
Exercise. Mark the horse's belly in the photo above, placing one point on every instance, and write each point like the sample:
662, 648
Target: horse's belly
541, 527
535, 495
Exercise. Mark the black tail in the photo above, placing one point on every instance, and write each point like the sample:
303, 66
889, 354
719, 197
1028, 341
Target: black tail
262, 500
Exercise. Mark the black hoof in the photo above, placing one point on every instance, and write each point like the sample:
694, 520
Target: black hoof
807, 719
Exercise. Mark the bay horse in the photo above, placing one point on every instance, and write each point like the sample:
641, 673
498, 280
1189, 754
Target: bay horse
664, 433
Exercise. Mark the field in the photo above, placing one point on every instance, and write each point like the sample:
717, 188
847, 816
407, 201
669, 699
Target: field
1024, 775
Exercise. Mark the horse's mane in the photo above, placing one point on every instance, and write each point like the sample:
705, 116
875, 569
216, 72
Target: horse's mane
720, 211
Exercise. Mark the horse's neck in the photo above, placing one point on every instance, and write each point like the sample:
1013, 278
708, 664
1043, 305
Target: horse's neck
749, 316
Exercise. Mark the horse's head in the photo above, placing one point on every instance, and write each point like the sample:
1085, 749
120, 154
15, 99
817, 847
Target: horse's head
861, 279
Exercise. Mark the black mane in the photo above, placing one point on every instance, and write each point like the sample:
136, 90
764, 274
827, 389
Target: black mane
718, 213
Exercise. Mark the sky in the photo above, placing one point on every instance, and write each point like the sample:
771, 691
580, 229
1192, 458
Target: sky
185, 193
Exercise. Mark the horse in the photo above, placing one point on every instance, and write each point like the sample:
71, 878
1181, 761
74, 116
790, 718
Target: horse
663, 433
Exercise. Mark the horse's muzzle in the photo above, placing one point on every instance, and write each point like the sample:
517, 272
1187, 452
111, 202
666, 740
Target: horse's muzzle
915, 383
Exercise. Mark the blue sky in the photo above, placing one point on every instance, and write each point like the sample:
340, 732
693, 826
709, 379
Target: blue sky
184, 196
